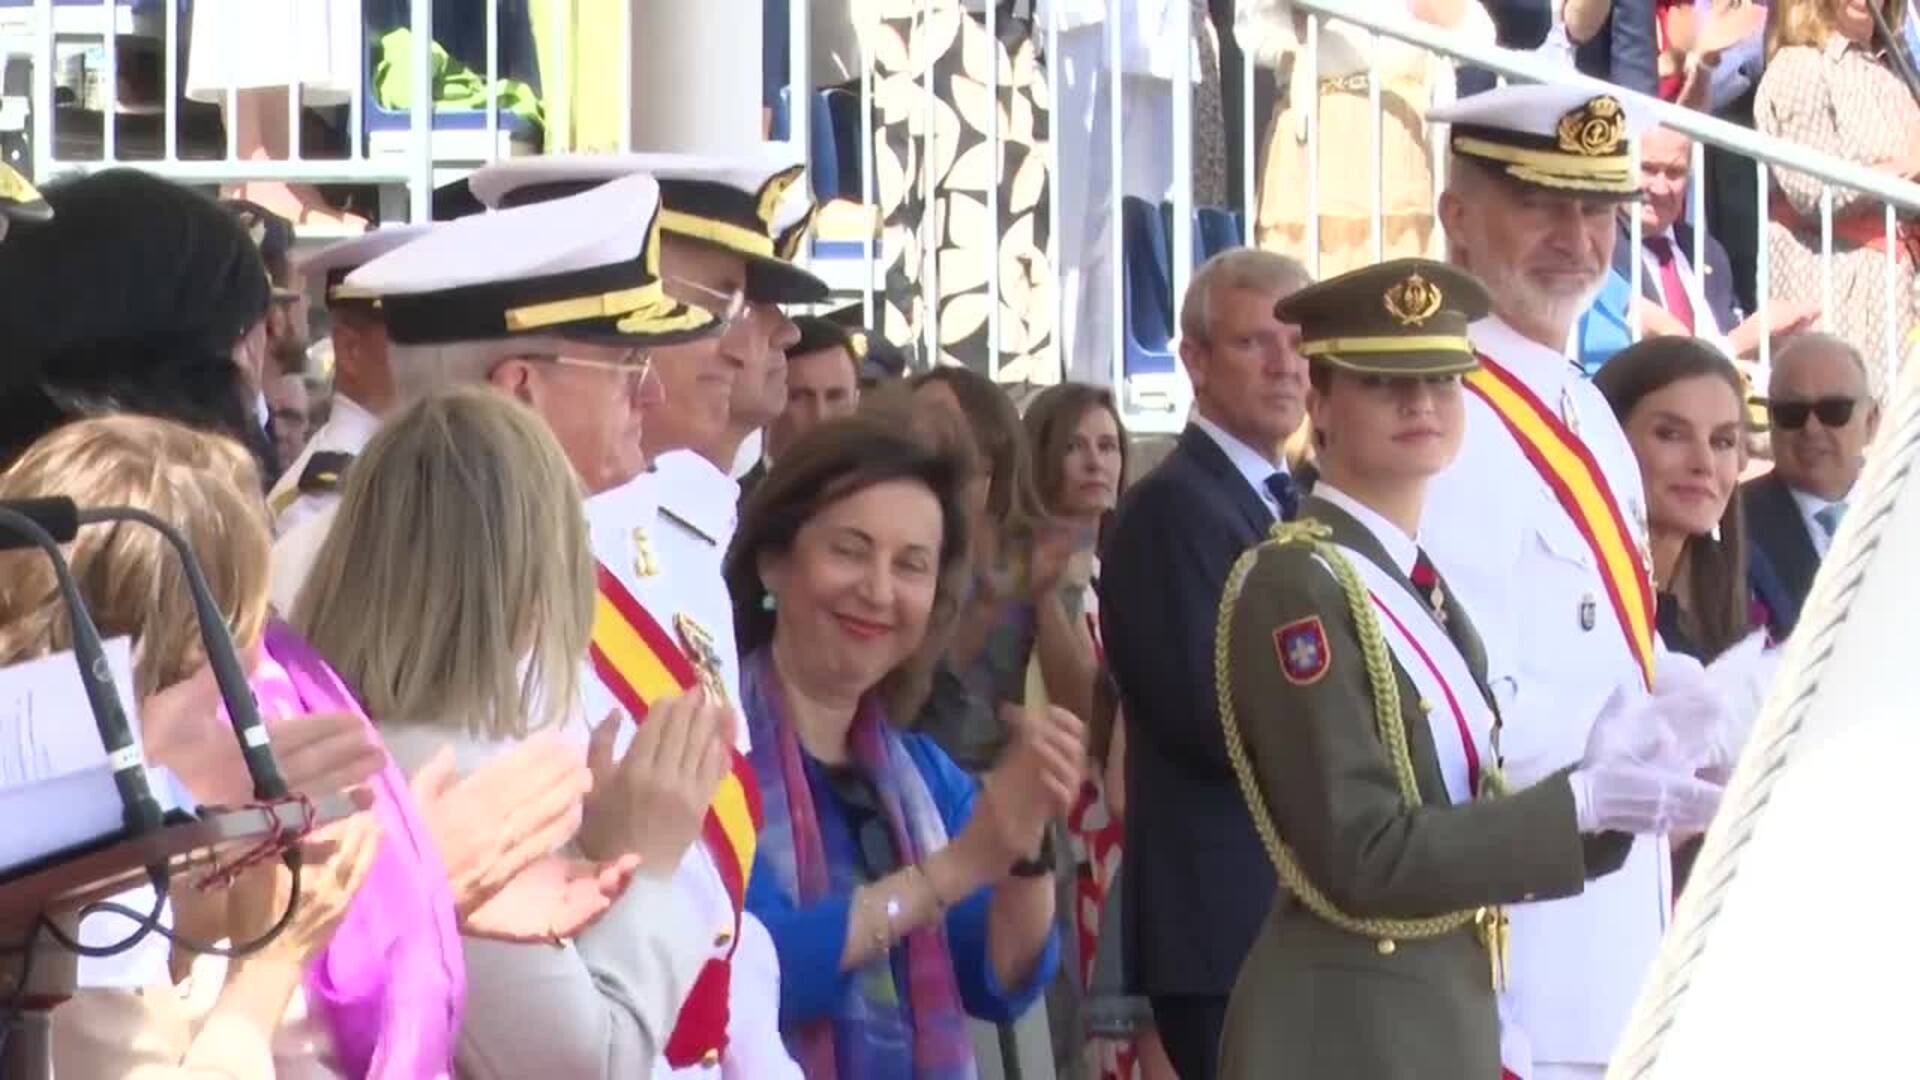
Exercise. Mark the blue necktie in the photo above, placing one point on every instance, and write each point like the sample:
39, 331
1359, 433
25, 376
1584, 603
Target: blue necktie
1829, 516
1280, 485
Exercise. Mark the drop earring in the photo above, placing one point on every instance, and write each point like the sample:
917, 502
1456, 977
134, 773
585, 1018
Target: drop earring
766, 602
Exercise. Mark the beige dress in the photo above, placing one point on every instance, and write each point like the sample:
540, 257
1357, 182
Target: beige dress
1844, 101
1411, 82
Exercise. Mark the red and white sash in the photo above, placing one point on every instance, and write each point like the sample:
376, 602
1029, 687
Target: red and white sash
1460, 718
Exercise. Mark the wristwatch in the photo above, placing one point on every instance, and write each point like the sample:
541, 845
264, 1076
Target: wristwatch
1040, 865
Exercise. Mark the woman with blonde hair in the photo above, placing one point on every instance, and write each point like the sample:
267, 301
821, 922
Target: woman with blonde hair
455, 593
206, 487
1831, 87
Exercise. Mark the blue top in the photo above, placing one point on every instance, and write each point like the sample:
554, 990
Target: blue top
1604, 329
811, 940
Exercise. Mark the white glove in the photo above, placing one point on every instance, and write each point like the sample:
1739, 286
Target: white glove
1637, 774
1740, 678
1622, 796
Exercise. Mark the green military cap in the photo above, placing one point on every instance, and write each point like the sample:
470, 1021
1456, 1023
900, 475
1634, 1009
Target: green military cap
1402, 319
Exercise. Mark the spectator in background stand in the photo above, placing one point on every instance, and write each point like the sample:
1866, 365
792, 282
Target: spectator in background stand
1195, 884
1413, 80
1613, 40
1829, 87
1823, 419
1684, 299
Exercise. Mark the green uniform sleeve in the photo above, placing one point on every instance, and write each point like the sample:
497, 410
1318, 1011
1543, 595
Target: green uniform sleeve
1326, 781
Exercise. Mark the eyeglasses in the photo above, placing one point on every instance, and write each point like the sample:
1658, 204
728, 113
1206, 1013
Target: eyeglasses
728, 307
1834, 412
636, 365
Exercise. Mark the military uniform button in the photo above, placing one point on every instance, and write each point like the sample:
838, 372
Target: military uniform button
1426, 706
722, 939
1386, 947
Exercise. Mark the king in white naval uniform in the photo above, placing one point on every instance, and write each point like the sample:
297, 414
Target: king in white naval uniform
1540, 525
730, 228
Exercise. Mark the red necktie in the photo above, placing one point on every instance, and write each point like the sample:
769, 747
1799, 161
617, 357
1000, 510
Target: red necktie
1678, 303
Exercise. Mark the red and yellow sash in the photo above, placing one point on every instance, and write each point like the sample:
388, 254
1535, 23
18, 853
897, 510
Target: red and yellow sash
1568, 467
641, 663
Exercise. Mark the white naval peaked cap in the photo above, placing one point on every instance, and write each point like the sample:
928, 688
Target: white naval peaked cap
1561, 138
583, 267
335, 261
739, 203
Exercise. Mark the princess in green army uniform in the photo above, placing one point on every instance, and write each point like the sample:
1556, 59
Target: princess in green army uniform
1355, 699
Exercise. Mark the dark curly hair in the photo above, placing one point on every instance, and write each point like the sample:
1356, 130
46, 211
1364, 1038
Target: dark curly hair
129, 301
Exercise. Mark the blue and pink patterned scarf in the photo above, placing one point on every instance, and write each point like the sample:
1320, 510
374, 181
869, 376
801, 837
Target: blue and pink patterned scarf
881, 1027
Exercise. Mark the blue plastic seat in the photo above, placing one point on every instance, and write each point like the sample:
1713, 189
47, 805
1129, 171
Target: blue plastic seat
1146, 289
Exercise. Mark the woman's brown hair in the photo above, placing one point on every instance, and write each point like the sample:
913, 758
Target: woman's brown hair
1052, 418
204, 485
829, 463
1001, 441
1717, 610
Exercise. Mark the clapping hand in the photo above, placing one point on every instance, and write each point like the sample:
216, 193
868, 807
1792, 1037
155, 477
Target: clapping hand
1637, 774
496, 830
651, 801
1036, 781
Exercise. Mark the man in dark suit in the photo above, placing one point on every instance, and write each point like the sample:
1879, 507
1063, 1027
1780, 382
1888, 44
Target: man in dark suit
1823, 415
1701, 298
1195, 882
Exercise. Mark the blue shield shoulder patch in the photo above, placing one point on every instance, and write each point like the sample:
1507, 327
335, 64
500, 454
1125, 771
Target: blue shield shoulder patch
1302, 646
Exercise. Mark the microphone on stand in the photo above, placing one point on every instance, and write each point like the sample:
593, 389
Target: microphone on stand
23, 520
242, 710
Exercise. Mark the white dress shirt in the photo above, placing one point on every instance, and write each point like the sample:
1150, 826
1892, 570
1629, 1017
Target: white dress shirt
1706, 324
1251, 463
1404, 550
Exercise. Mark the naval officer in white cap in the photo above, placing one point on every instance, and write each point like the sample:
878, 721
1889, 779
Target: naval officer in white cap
362, 387
1539, 527
660, 539
560, 305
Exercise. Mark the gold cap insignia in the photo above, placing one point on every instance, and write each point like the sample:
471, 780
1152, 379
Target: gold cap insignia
1413, 301
1595, 129
776, 190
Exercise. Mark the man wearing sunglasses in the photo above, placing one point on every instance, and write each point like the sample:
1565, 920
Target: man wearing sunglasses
1822, 415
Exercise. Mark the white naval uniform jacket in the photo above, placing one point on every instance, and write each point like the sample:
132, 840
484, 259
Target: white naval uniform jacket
671, 571
1520, 566
348, 429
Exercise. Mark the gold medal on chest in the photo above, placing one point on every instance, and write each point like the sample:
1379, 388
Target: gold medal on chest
644, 564
698, 644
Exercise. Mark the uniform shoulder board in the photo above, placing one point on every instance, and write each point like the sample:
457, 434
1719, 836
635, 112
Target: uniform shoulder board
325, 473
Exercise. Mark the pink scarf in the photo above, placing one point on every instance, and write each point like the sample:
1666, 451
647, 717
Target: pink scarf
390, 985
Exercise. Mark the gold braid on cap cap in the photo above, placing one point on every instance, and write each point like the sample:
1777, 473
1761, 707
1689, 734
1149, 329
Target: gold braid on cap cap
16, 188
774, 190
643, 309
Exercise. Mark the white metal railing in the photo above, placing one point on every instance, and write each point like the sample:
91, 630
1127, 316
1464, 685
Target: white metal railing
407, 161
1767, 153
1157, 401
